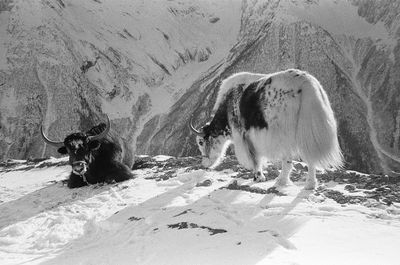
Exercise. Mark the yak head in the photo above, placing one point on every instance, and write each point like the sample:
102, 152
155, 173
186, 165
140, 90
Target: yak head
79, 147
211, 143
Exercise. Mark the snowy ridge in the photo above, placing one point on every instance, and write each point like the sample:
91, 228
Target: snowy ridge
174, 212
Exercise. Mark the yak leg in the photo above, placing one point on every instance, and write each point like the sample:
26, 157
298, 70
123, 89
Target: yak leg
259, 175
255, 159
75, 181
258, 168
284, 177
311, 181
118, 172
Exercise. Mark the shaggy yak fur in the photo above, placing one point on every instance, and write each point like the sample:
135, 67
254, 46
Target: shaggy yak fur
93, 160
280, 116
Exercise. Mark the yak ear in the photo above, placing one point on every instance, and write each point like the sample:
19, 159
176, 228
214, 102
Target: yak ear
62, 150
94, 145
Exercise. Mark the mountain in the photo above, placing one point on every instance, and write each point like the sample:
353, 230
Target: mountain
175, 212
352, 47
65, 63
150, 65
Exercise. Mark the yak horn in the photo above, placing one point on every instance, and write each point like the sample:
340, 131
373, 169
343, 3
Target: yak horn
103, 133
199, 133
48, 141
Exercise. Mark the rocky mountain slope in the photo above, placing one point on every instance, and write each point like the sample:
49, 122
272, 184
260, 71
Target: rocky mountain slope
352, 47
150, 65
63, 63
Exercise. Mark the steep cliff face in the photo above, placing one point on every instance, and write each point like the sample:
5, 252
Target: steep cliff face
352, 47
64, 63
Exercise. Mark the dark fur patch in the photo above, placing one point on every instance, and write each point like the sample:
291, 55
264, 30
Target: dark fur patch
251, 109
219, 124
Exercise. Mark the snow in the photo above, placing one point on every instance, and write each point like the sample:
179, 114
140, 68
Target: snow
337, 17
191, 216
347, 240
24, 179
162, 158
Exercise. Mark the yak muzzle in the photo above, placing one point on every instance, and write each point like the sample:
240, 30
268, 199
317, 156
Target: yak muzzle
79, 167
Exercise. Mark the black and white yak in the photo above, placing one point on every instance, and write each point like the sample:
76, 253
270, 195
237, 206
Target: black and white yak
280, 116
95, 156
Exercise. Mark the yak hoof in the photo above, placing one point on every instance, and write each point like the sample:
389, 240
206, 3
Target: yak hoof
283, 182
259, 177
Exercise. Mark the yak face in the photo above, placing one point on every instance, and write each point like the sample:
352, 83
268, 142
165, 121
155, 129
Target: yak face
80, 146
80, 150
212, 147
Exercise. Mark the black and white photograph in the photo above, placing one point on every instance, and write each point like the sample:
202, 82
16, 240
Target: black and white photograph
199, 132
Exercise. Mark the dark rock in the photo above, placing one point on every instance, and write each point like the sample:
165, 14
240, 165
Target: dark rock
205, 183
186, 225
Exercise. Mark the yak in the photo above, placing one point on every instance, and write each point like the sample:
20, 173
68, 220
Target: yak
280, 116
95, 156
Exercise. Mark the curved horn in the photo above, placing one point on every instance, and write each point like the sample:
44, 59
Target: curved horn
103, 133
199, 133
48, 141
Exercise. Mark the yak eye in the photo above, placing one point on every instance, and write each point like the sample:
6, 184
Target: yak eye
201, 142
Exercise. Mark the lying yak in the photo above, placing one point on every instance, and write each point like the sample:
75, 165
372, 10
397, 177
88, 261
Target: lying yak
94, 156
280, 116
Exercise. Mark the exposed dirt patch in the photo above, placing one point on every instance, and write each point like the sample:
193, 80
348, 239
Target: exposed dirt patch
235, 186
186, 225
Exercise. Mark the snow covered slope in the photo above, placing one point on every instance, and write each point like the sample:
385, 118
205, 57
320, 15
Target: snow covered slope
174, 212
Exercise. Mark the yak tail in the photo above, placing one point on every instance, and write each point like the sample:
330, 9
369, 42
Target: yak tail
316, 133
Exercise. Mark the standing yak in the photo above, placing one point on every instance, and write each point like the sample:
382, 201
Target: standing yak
280, 116
95, 156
